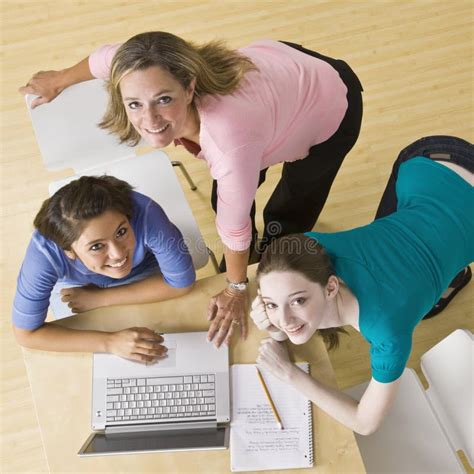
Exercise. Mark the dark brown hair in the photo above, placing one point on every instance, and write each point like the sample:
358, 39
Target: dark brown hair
63, 216
301, 254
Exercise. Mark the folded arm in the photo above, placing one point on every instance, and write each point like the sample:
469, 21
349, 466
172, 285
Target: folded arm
149, 290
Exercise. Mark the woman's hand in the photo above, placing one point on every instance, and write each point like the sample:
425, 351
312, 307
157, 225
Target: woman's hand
259, 315
49, 84
227, 310
273, 357
141, 344
83, 298
46, 84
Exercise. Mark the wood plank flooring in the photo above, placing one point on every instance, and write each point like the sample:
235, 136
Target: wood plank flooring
414, 58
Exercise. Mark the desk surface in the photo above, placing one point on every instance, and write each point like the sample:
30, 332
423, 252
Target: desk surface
61, 385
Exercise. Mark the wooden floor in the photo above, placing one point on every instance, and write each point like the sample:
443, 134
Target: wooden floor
414, 58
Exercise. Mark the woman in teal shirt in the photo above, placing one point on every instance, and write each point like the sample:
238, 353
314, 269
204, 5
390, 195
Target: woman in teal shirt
382, 279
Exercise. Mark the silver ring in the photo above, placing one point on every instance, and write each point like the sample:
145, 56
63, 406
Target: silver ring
235, 322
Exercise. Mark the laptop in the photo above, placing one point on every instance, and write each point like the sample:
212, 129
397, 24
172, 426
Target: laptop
180, 403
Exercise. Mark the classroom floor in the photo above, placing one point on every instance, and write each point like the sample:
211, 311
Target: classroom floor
414, 58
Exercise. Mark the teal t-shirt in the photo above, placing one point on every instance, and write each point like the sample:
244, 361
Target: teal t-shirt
399, 266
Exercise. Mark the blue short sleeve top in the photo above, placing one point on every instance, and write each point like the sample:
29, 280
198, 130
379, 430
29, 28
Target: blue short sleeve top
159, 243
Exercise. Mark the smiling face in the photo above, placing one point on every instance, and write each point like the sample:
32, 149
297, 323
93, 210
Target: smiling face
106, 245
158, 106
294, 304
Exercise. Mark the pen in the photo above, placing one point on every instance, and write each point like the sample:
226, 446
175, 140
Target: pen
267, 393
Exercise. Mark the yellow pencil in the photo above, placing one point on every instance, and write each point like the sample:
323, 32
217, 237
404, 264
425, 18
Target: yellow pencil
267, 393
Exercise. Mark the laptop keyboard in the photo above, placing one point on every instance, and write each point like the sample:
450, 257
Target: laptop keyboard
154, 398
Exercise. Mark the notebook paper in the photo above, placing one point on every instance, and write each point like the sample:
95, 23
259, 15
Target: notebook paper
256, 441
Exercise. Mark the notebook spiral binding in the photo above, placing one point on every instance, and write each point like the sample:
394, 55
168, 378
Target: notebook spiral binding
310, 430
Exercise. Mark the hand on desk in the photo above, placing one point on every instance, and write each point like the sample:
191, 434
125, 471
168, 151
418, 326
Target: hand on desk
259, 315
83, 298
141, 344
227, 310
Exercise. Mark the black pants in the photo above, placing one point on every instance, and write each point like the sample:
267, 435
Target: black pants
301, 193
438, 148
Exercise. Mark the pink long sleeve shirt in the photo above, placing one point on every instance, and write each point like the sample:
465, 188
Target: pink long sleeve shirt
292, 102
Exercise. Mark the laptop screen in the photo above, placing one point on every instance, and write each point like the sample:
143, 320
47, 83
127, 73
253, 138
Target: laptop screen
166, 440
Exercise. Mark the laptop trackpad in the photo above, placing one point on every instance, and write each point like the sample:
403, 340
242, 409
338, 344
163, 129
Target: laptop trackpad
112, 366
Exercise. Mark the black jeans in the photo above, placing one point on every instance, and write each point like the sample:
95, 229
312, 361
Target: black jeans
301, 193
438, 148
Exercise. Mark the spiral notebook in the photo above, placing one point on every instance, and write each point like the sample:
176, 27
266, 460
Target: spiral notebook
256, 441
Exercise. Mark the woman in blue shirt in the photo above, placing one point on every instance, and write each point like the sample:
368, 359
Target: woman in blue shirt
381, 278
104, 244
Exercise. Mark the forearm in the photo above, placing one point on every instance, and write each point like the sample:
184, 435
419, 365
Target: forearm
136, 343
338, 405
47, 85
51, 337
363, 417
149, 290
80, 72
228, 308
236, 263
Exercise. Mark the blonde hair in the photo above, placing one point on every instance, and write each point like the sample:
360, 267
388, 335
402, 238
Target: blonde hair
216, 68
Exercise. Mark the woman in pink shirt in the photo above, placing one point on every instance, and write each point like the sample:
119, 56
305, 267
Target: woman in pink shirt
240, 111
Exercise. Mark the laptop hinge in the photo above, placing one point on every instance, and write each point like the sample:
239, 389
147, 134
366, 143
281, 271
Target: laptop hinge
160, 427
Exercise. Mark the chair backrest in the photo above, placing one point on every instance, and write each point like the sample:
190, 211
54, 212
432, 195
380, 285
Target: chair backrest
68, 137
152, 175
67, 133
424, 429
410, 439
449, 370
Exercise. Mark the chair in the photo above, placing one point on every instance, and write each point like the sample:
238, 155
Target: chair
68, 136
425, 428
